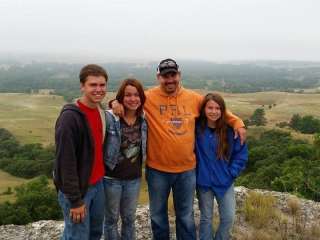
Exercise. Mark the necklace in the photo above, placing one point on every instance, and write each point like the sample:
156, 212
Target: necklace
130, 121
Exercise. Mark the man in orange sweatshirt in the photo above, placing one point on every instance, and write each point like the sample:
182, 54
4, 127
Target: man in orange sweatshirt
171, 111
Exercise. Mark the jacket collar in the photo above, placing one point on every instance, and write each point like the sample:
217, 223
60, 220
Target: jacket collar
117, 118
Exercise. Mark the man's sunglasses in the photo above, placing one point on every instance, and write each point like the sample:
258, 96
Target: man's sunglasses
168, 64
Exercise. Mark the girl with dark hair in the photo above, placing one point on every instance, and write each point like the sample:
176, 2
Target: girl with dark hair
220, 159
125, 150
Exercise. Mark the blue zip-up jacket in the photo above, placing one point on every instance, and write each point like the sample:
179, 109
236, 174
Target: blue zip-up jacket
113, 139
216, 174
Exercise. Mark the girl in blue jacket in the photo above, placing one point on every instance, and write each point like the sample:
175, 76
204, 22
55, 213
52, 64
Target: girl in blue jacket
220, 159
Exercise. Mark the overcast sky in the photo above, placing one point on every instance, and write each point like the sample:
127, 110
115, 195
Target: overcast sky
216, 30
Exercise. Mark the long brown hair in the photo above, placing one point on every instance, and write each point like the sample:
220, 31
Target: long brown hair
221, 124
135, 83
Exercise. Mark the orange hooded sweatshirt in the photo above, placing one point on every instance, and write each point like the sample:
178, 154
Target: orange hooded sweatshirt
171, 129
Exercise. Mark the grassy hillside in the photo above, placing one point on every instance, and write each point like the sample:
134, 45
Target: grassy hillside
287, 104
7, 180
31, 118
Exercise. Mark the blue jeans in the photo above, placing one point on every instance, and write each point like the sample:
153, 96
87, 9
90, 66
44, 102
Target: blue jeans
92, 226
226, 206
183, 189
121, 199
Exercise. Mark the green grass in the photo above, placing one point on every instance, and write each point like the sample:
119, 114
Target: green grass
30, 118
259, 209
7, 180
287, 104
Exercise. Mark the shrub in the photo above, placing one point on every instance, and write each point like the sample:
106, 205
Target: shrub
294, 205
8, 191
259, 209
282, 124
35, 201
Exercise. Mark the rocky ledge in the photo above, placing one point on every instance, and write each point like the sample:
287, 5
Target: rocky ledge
44, 230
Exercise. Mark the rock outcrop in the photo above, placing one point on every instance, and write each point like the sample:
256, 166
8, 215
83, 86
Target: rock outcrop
45, 230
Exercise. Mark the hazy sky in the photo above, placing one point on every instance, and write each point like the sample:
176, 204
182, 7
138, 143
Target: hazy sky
215, 30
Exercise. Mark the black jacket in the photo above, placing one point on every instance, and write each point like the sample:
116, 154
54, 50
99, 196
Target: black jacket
74, 153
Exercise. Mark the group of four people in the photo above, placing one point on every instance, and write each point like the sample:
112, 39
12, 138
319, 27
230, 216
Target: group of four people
187, 140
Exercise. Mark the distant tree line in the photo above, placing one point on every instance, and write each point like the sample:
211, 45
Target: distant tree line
238, 78
25, 161
280, 163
